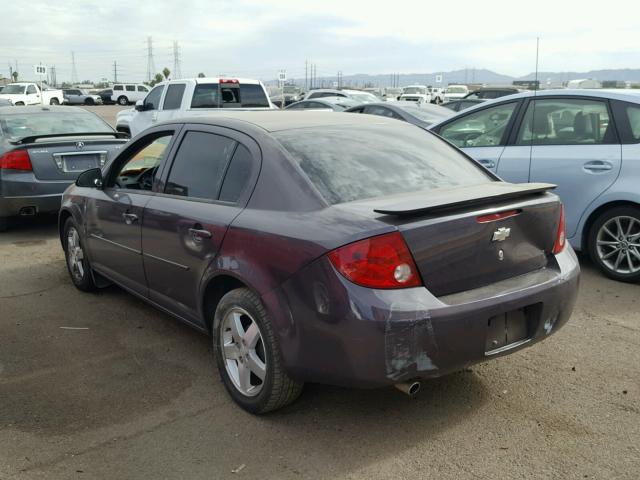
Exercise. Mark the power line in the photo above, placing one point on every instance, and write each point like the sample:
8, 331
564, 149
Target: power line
177, 72
151, 67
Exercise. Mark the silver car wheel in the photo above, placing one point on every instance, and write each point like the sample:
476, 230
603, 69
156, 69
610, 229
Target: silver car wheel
75, 254
243, 351
618, 244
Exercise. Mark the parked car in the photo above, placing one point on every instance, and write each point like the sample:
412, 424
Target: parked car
343, 249
25, 93
586, 142
357, 95
459, 105
105, 95
127, 93
455, 92
416, 93
406, 111
195, 96
336, 104
489, 93
437, 94
1, 88
289, 99
42, 151
78, 96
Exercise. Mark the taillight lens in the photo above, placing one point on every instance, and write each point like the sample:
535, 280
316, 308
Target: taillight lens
561, 235
16, 160
383, 261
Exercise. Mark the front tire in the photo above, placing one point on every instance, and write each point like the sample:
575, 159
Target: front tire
614, 243
247, 354
122, 100
89, 101
76, 258
54, 101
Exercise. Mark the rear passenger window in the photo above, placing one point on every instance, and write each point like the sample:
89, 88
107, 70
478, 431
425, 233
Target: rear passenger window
117, 87
483, 128
235, 181
205, 95
633, 114
253, 96
173, 97
199, 165
131, 88
142, 88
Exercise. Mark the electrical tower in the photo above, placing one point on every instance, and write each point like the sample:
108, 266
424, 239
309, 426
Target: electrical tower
177, 72
151, 67
74, 72
115, 72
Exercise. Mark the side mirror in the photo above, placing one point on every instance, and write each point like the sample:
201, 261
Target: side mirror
91, 178
140, 107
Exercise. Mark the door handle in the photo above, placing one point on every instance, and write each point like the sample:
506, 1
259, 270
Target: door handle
129, 218
598, 166
487, 163
199, 233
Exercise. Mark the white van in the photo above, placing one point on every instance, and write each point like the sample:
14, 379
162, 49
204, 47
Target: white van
127, 93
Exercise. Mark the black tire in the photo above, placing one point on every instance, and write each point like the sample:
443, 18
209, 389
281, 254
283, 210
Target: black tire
83, 280
625, 214
19, 104
278, 389
89, 101
122, 100
54, 101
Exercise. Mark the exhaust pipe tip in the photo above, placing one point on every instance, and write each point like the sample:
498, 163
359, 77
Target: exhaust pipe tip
409, 388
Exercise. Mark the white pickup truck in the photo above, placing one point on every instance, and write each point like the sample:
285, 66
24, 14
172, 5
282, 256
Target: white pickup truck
416, 93
24, 93
192, 96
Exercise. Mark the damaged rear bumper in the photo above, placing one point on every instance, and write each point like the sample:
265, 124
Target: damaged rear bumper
333, 331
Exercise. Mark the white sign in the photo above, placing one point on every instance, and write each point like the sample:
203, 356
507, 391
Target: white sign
40, 70
438, 78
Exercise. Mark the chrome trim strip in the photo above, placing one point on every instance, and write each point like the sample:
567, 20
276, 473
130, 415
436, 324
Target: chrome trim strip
507, 347
98, 237
179, 265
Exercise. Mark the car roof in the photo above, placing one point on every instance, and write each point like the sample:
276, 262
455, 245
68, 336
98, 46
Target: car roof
280, 120
39, 109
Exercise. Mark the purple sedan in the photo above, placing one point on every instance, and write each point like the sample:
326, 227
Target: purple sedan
341, 249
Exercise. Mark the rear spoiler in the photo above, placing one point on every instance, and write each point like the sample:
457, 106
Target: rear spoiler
456, 197
33, 138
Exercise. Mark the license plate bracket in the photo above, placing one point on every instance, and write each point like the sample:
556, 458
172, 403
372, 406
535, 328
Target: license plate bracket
511, 329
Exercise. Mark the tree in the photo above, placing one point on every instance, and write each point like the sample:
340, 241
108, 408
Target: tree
15, 76
166, 72
157, 79
201, 75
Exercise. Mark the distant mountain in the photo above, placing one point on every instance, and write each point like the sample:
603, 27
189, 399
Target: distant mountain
470, 76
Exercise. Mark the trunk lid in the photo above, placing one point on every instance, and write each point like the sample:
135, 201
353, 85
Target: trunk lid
65, 159
457, 242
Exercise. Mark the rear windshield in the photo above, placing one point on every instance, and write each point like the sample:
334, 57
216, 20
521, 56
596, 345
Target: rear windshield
47, 123
208, 95
353, 163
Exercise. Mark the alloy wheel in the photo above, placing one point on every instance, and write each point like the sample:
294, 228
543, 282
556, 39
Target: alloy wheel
618, 244
75, 254
243, 351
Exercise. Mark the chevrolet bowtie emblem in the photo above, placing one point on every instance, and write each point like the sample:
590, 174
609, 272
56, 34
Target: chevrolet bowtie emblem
501, 234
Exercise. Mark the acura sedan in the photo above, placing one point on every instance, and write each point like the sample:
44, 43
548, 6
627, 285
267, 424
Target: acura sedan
585, 141
341, 249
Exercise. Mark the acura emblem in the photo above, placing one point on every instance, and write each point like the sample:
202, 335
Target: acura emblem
79, 145
501, 234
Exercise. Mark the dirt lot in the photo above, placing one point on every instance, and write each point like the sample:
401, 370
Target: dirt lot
107, 112
102, 386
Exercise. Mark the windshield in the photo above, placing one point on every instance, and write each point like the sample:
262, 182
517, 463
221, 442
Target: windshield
364, 97
13, 89
353, 163
47, 123
414, 90
456, 90
427, 113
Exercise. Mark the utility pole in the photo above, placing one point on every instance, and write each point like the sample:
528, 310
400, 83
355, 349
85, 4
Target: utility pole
74, 72
306, 85
339, 79
177, 73
151, 67
115, 72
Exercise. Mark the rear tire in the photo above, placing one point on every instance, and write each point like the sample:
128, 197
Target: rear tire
76, 258
54, 101
244, 341
614, 243
122, 100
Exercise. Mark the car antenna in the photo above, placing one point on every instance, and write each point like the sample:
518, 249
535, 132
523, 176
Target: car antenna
533, 110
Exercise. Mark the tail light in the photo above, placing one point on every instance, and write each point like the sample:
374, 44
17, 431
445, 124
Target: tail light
229, 80
383, 261
561, 235
16, 160
494, 217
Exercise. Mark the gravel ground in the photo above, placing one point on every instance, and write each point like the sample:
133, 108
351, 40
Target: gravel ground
103, 386
107, 112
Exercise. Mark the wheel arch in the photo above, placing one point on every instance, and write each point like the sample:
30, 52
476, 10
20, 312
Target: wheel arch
62, 219
596, 213
213, 290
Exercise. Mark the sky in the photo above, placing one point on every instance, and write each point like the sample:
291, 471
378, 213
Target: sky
256, 39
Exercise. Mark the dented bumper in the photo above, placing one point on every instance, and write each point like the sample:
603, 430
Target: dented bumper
333, 331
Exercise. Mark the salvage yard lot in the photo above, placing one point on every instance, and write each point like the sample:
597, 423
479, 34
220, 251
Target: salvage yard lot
105, 386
